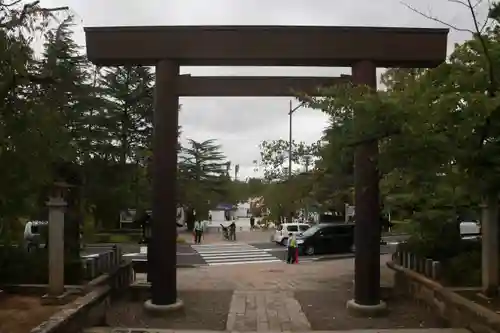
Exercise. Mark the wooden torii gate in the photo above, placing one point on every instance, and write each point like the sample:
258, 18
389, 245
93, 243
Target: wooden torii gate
361, 48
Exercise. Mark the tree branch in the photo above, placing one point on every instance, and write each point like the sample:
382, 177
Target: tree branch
435, 19
28, 8
492, 86
374, 138
6, 5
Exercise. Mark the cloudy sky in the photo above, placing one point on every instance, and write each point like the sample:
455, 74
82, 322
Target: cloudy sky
240, 124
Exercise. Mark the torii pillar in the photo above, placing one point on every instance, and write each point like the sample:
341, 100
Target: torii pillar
367, 231
162, 249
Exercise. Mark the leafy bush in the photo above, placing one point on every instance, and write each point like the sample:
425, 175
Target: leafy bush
440, 250
460, 260
463, 270
21, 267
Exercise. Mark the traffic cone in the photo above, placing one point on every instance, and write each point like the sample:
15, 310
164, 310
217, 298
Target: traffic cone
296, 255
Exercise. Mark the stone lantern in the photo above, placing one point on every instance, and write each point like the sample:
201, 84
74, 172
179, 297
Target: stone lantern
56, 293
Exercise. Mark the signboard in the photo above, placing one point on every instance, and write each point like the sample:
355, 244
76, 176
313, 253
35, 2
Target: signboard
127, 216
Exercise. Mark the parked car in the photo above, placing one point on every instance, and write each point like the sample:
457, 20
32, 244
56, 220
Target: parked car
282, 231
330, 217
327, 238
33, 234
470, 229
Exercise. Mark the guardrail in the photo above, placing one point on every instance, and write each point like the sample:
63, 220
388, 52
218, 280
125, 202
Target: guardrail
425, 266
102, 262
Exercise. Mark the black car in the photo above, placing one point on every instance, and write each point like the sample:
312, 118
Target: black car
327, 238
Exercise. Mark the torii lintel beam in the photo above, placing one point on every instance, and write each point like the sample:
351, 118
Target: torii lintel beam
266, 46
232, 86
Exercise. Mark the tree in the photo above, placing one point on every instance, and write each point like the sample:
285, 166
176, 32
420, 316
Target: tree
117, 177
429, 126
275, 155
203, 175
29, 132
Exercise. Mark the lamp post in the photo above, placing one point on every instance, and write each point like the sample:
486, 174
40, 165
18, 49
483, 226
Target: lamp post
290, 141
290, 113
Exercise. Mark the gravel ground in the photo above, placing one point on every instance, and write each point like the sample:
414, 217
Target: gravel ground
326, 310
19, 314
203, 310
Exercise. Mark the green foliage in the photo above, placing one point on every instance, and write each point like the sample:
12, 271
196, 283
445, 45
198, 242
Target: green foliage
429, 124
464, 269
203, 176
22, 267
58, 109
460, 260
275, 155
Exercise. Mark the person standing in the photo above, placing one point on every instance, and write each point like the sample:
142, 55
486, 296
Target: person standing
198, 232
252, 222
232, 231
292, 249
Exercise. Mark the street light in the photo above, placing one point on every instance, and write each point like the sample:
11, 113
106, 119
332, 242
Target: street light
290, 113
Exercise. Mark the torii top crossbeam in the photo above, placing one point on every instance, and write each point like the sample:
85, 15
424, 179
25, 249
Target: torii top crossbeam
266, 45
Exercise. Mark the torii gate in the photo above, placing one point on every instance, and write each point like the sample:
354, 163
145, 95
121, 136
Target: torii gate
362, 48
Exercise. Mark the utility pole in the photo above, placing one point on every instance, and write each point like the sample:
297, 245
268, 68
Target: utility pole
290, 141
306, 210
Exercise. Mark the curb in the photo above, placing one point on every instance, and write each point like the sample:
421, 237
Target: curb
189, 265
338, 257
140, 266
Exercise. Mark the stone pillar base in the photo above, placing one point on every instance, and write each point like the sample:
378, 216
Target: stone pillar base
56, 300
162, 309
359, 310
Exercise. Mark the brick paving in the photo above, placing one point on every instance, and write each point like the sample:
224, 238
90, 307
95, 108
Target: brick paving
265, 311
272, 276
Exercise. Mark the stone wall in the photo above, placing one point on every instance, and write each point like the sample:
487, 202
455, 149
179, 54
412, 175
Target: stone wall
90, 309
456, 311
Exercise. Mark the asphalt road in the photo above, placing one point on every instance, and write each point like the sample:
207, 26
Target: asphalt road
280, 250
187, 256
135, 248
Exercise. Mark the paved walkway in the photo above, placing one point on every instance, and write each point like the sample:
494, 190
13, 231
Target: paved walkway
153, 330
266, 311
272, 297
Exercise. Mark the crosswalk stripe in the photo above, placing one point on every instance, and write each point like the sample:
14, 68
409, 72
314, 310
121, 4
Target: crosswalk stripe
246, 262
259, 255
232, 254
249, 250
219, 245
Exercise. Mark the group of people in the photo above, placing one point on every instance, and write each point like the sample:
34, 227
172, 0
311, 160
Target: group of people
199, 228
231, 230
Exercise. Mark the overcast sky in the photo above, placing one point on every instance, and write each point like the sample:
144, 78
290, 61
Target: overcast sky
240, 124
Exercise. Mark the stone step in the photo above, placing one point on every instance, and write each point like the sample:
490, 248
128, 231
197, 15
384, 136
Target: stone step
157, 330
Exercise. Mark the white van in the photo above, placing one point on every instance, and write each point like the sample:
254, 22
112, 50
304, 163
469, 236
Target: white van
32, 233
282, 231
470, 229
